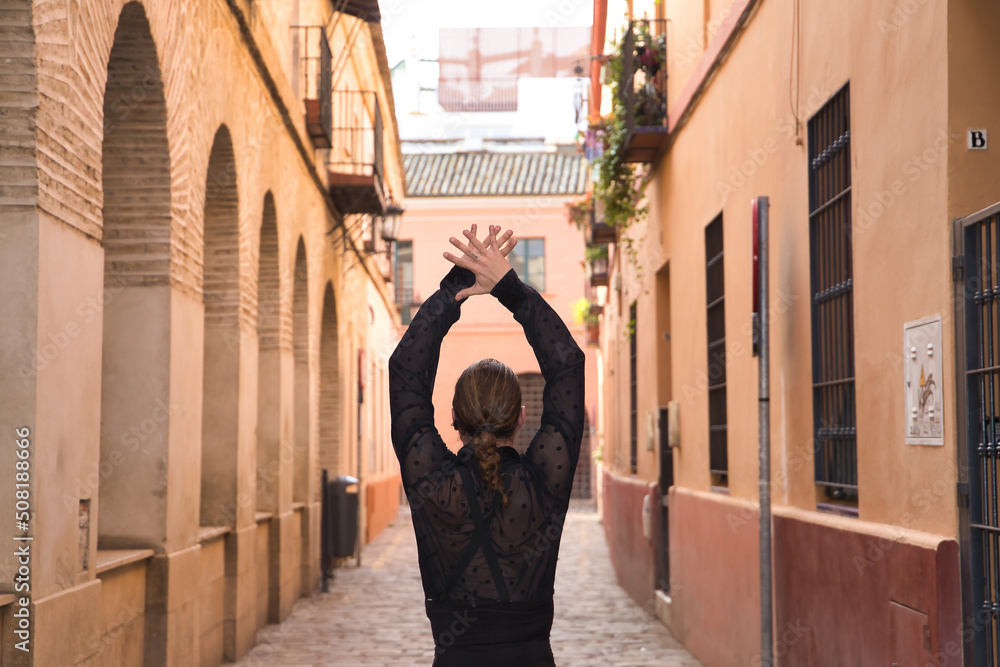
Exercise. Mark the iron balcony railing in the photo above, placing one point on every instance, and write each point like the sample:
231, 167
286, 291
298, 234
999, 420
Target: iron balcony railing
356, 164
316, 83
483, 94
643, 88
357, 134
347, 122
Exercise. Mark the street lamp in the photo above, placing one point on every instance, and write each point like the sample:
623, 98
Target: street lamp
390, 222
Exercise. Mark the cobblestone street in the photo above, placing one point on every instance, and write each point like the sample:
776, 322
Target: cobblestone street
374, 615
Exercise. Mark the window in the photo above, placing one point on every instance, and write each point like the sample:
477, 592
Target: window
633, 392
831, 261
718, 456
404, 279
528, 259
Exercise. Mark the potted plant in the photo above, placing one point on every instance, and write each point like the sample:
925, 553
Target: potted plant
586, 312
596, 257
579, 210
637, 99
650, 54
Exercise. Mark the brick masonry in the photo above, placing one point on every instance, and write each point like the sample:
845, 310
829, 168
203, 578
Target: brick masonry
158, 145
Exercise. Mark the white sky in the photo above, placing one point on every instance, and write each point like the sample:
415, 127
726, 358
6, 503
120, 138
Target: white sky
414, 24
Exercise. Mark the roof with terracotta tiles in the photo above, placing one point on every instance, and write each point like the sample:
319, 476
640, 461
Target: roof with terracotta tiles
483, 174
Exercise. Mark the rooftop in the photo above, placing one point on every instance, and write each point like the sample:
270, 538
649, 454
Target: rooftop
482, 174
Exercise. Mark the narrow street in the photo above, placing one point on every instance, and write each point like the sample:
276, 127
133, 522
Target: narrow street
374, 615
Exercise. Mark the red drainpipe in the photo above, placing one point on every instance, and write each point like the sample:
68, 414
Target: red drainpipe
597, 33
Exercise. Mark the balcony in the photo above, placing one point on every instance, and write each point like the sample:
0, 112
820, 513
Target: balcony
483, 94
596, 257
600, 231
355, 167
642, 91
315, 83
347, 122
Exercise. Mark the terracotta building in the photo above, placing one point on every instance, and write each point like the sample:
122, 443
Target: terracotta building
523, 191
194, 290
866, 125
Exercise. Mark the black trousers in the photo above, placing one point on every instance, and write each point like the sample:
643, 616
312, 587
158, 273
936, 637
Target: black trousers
495, 634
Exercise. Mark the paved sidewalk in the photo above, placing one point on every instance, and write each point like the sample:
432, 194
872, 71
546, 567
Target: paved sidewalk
375, 615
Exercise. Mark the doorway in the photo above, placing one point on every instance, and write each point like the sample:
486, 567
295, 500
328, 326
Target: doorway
665, 453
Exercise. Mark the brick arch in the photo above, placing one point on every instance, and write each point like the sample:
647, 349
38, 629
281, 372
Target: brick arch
300, 352
268, 280
223, 338
330, 414
18, 170
135, 157
300, 304
221, 259
270, 458
135, 377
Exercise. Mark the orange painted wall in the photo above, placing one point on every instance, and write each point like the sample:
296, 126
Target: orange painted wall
381, 505
911, 175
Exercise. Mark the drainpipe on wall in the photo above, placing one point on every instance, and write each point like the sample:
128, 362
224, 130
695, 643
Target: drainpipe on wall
760, 219
361, 499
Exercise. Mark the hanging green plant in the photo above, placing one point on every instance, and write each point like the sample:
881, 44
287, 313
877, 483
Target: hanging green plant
620, 185
595, 252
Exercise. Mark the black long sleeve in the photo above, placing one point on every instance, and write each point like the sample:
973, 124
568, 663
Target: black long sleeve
412, 370
556, 446
525, 534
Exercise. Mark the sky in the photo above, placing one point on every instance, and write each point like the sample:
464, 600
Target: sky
414, 24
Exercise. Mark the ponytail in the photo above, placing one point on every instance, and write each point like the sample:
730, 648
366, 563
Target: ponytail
487, 408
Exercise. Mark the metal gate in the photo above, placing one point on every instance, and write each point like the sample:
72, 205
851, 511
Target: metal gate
532, 388
666, 481
977, 340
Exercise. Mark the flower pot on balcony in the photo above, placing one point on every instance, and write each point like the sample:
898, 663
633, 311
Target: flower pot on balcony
581, 211
599, 272
594, 334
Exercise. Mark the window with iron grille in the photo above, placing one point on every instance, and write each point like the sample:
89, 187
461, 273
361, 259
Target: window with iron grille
831, 269
404, 279
633, 393
718, 455
528, 259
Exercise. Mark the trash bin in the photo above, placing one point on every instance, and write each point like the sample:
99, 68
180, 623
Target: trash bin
339, 522
344, 507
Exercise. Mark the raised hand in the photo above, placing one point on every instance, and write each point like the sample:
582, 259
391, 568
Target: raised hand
486, 259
